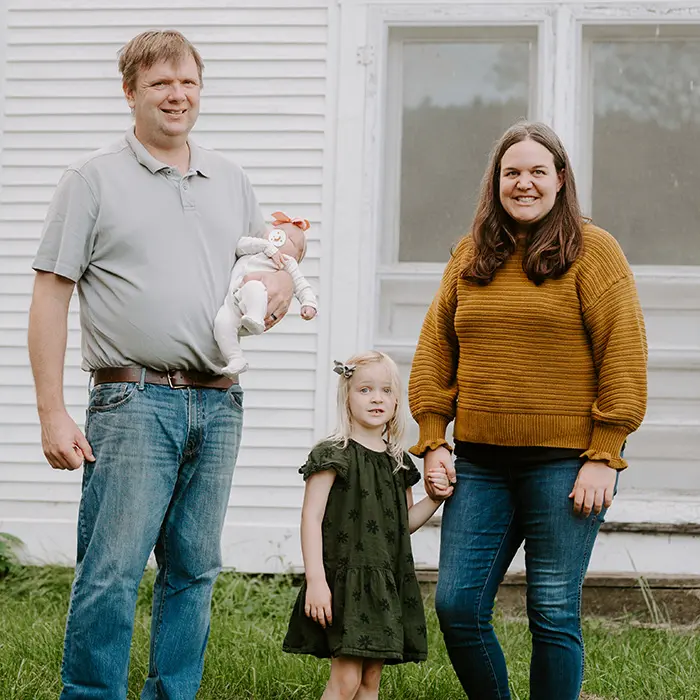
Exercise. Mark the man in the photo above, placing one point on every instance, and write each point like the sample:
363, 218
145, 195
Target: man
147, 228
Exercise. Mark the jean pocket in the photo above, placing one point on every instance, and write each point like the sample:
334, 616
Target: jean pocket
235, 395
111, 395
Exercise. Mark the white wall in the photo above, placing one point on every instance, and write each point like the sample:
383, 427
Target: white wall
264, 105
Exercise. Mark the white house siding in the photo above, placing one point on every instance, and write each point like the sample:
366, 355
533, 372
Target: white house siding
264, 106
273, 71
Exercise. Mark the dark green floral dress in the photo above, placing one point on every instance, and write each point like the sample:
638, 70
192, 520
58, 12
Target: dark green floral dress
377, 604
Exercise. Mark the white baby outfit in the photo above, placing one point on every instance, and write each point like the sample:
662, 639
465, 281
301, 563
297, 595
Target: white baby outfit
245, 306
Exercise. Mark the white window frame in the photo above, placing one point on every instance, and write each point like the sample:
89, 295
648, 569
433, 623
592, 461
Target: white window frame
360, 158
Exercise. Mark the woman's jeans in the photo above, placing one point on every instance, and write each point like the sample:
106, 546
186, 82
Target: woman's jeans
161, 479
492, 511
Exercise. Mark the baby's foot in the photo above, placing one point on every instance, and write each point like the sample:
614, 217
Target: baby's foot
253, 325
235, 367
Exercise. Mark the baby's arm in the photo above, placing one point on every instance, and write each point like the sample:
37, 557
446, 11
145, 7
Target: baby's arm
318, 605
419, 513
302, 289
249, 245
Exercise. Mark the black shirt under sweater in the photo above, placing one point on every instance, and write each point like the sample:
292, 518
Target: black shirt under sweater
506, 456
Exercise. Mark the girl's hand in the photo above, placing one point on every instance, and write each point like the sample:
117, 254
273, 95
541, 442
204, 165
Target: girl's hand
440, 483
594, 488
437, 460
318, 603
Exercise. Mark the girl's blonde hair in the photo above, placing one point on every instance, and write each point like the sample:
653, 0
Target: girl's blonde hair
394, 429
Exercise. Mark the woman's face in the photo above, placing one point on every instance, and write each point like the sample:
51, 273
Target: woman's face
529, 182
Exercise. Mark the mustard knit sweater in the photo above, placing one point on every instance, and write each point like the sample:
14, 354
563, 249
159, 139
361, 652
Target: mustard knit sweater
562, 364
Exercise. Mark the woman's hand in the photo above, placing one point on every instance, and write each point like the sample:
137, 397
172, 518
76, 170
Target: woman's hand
318, 602
594, 488
434, 461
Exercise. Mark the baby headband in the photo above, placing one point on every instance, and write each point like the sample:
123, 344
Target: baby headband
282, 218
344, 370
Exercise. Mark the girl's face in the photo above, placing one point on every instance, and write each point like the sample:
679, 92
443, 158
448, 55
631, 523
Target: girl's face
529, 182
371, 397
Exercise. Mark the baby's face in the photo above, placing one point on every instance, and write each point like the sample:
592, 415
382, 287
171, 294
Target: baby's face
295, 244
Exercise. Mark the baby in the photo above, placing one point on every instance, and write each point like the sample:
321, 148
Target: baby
245, 306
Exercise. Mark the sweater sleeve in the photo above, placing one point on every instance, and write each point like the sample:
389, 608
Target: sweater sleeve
616, 328
432, 386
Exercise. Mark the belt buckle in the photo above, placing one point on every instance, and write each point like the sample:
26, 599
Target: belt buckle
170, 374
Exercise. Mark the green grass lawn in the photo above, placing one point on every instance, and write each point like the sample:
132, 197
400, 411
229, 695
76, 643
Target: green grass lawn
244, 660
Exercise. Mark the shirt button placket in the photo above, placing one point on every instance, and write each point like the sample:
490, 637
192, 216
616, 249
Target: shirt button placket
185, 190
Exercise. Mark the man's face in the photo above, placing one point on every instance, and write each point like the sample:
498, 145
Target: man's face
165, 101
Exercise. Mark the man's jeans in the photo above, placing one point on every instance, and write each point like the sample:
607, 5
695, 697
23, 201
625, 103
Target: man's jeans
161, 479
492, 511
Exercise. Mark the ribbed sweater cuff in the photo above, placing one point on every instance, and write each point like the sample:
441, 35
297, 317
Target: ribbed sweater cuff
432, 433
606, 444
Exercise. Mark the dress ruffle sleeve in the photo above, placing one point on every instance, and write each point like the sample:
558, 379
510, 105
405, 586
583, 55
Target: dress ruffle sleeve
326, 455
411, 473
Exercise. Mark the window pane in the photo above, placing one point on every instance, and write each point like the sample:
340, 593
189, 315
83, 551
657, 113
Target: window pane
646, 147
458, 98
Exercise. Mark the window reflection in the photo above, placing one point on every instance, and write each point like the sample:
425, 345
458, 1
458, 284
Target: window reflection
458, 98
646, 147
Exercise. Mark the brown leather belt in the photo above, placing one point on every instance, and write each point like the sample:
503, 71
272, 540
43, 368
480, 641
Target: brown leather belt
174, 378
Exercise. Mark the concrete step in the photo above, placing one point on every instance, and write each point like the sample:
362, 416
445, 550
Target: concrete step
646, 534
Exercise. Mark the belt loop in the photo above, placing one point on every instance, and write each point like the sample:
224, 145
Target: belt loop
91, 381
142, 380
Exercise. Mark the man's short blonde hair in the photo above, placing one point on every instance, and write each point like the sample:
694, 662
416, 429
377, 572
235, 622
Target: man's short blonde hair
149, 48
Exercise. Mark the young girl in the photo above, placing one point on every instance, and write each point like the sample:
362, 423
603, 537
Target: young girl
361, 604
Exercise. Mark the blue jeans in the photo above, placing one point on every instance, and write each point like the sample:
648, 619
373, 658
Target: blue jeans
493, 509
161, 480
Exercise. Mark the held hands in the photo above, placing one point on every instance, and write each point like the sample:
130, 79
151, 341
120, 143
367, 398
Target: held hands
594, 488
318, 602
437, 464
308, 312
440, 483
64, 445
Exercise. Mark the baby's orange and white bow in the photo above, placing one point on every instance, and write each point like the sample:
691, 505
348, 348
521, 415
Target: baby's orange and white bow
282, 218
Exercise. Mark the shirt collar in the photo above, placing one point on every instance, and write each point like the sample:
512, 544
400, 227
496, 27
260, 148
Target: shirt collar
197, 156
198, 159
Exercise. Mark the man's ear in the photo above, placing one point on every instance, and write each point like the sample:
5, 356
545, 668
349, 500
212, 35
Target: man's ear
129, 94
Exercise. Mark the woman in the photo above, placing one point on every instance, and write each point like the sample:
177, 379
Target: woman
535, 346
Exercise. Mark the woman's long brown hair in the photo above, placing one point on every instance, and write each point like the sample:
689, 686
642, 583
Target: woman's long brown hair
553, 243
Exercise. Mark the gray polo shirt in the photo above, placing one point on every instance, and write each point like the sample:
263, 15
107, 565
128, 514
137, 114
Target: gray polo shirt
151, 252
